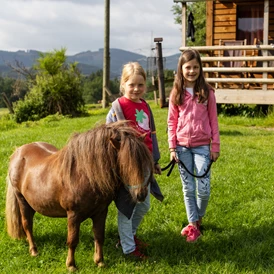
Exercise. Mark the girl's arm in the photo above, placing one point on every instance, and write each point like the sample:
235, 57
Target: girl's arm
111, 116
213, 120
172, 121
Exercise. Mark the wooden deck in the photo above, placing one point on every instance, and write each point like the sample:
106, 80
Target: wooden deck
248, 84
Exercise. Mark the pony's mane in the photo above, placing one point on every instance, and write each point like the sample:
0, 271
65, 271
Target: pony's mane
92, 155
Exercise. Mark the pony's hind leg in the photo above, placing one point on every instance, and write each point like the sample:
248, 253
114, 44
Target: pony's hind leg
99, 223
27, 213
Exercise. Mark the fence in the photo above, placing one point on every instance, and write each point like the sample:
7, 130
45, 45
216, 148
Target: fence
257, 82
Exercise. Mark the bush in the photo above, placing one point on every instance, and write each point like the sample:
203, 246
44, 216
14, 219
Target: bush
56, 89
31, 108
7, 123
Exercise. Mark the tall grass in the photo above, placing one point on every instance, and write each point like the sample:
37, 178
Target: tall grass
238, 234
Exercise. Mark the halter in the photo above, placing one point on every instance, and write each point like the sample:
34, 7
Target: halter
140, 185
135, 186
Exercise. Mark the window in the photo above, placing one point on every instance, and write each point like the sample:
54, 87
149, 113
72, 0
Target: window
250, 23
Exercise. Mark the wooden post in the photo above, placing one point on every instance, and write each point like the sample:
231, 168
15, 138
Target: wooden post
183, 24
265, 37
184, 17
161, 79
106, 65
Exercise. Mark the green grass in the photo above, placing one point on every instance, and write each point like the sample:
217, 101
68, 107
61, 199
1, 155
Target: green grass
239, 224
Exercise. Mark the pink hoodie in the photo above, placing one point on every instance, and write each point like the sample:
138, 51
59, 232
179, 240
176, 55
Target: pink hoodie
194, 124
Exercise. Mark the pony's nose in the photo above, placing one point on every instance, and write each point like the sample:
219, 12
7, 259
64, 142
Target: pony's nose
141, 198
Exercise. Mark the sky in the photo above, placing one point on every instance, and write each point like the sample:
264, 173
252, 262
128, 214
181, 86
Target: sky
78, 25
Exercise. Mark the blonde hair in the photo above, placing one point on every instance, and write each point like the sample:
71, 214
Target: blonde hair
130, 69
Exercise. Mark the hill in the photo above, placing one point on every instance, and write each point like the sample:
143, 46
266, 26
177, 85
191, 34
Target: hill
88, 62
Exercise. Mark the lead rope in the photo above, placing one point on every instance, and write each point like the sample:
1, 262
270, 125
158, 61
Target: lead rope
173, 162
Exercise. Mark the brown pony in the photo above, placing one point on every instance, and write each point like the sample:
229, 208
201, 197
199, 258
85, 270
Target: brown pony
78, 181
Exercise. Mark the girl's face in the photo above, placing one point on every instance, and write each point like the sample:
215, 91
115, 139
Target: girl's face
134, 88
191, 72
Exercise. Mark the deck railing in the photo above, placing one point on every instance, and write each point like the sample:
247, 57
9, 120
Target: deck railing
256, 82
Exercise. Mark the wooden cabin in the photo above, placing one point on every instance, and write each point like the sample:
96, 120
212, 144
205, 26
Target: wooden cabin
238, 58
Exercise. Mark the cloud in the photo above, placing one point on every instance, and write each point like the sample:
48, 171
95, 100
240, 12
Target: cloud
45, 25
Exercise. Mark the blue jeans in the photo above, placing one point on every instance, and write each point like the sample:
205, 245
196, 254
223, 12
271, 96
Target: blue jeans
127, 227
196, 191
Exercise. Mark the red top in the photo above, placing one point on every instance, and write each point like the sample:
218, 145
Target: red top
138, 113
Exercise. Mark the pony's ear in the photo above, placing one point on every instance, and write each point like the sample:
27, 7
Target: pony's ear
115, 143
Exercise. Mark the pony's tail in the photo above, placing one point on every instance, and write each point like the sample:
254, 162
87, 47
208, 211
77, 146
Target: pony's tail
13, 214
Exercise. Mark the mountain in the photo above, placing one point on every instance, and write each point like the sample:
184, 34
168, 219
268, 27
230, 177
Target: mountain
88, 62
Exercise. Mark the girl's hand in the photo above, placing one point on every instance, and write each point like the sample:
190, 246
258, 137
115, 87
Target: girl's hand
214, 156
157, 169
173, 156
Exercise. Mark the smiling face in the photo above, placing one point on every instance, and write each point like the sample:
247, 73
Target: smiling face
134, 88
191, 72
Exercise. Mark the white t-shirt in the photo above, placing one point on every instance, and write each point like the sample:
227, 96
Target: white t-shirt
190, 90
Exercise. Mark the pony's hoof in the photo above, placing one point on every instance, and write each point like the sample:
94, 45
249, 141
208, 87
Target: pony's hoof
33, 252
72, 269
101, 264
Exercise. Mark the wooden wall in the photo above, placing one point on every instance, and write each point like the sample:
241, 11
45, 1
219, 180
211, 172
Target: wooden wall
222, 20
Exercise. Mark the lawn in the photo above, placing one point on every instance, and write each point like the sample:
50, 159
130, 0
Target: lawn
238, 234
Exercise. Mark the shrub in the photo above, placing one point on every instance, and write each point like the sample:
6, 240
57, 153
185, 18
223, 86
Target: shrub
56, 89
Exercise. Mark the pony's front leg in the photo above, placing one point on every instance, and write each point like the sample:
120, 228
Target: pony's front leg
99, 223
72, 239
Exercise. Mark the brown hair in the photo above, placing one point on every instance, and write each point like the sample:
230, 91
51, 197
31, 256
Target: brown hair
201, 87
129, 69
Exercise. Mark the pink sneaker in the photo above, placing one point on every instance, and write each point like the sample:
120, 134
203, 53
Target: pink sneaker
185, 230
193, 234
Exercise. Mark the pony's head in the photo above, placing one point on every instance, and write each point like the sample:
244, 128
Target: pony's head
107, 156
134, 160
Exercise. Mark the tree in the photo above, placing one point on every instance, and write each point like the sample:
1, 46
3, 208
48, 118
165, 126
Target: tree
92, 87
6, 87
199, 11
56, 89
